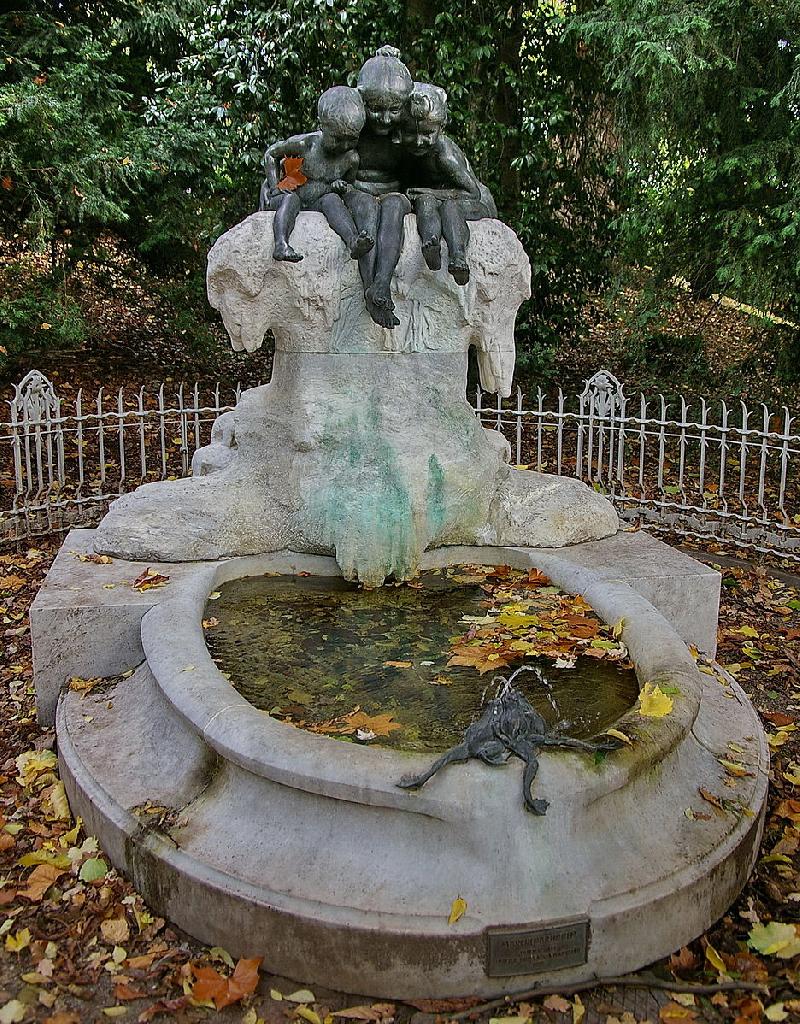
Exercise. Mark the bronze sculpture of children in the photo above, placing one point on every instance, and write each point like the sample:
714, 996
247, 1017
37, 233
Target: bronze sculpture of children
329, 165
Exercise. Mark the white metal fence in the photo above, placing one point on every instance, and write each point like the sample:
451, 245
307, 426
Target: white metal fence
701, 468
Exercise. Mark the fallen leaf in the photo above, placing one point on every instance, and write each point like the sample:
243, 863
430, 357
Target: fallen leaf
302, 995
557, 1003
93, 869
619, 736
776, 938
653, 703
457, 910
39, 881
115, 931
149, 580
710, 798
398, 664
19, 941
674, 1011
776, 1012
715, 959
12, 1012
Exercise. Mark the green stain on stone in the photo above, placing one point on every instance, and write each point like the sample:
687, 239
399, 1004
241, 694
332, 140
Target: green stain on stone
435, 498
364, 503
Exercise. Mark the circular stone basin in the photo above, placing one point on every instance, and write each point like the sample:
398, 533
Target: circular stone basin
310, 649
303, 849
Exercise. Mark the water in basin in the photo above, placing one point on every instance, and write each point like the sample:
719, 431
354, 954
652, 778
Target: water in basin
312, 650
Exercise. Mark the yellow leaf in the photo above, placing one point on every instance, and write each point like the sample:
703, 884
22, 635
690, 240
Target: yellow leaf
738, 771
776, 938
653, 703
457, 910
578, 1010
776, 1012
616, 631
302, 995
16, 943
684, 998
747, 631
34, 764
715, 960
12, 1012
57, 802
306, 1014
276, 995
778, 739
619, 736
793, 774
115, 1011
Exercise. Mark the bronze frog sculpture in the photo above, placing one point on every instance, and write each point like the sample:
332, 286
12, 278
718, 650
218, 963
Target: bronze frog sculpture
509, 725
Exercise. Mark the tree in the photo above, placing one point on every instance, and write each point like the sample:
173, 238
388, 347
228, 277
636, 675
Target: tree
706, 99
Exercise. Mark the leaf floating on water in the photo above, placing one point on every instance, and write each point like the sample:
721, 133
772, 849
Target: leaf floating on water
457, 910
653, 702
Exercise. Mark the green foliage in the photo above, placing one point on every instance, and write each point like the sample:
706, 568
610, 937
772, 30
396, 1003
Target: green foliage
705, 99
615, 134
37, 313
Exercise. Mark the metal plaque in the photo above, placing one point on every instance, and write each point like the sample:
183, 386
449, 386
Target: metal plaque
533, 950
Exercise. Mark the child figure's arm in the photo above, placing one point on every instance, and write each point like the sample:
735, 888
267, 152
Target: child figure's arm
297, 145
344, 183
458, 179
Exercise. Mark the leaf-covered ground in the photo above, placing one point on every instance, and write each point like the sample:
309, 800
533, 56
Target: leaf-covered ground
78, 944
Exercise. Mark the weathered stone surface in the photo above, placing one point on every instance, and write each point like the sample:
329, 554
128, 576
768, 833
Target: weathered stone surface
86, 618
303, 849
363, 444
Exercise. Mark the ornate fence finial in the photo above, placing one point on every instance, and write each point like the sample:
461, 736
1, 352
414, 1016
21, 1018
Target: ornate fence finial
604, 393
34, 398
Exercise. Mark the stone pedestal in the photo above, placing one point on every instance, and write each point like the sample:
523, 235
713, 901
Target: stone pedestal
363, 445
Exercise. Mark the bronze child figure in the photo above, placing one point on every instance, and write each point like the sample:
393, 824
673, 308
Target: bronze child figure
329, 165
444, 189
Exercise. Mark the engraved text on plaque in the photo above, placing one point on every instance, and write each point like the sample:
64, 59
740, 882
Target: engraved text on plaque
532, 950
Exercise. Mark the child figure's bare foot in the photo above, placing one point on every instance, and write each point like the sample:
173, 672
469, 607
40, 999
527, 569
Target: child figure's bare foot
380, 306
286, 253
361, 244
432, 251
459, 269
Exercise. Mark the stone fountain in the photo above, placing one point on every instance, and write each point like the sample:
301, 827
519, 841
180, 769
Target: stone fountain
362, 457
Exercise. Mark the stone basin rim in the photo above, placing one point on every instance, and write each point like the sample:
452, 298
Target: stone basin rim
174, 644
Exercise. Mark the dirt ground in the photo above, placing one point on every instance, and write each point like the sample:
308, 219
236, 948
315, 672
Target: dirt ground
78, 944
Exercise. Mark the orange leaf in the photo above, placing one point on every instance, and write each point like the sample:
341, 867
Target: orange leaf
243, 982
209, 986
483, 659
39, 881
6, 182
123, 991
292, 174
